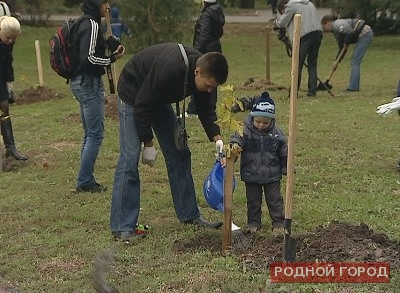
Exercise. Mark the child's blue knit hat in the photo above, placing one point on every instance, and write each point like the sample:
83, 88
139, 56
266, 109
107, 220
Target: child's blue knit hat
264, 106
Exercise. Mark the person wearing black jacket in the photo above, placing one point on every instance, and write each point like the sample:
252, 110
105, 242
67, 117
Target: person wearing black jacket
209, 29
87, 87
10, 29
149, 82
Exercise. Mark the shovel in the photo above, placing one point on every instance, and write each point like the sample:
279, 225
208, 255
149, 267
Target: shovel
289, 245
321, 86
326, 84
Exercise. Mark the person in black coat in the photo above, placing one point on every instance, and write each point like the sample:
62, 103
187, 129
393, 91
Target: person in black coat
149, 82
209, 29
9, 31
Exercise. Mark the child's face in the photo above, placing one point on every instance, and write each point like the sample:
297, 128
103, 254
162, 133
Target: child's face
261, 123
204, 83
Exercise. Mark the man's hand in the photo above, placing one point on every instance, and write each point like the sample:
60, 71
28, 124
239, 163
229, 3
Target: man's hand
149, 155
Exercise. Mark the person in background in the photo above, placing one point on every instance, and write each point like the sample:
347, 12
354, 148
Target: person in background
117, 26
10, 29
350, 31
208, 31
149, 82
274, 7
263, 161
88, 89
310, 37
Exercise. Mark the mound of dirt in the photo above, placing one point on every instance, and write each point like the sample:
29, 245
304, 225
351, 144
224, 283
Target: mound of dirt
36, 94
111, 109
255, 83
338, 242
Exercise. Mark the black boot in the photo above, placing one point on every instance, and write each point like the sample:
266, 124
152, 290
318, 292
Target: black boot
8, 137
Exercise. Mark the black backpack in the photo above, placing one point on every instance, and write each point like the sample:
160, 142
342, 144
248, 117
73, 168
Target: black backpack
62, 53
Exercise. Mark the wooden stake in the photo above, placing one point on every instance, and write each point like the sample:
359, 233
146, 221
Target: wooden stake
39, 63
228, 203
268, 55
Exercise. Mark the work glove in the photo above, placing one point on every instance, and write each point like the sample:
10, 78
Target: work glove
149, 156
112, 43
219, 146
388, 108
10, 89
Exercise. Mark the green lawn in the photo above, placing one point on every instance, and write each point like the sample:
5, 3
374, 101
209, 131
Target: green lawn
345, 170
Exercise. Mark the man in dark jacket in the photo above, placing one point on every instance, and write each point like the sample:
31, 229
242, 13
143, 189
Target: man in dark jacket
209, 29
87, 87
150, 81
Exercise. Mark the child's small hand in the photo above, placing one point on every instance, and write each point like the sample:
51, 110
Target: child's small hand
223, 162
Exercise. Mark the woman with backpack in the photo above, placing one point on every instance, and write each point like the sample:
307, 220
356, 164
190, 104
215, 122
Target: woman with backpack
10, 29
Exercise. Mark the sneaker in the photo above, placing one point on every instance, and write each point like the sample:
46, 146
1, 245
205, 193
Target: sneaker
92, 188
128, 237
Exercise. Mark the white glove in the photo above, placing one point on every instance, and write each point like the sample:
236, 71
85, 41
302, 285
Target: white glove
388, 108
10, 86
219, 146
149, 156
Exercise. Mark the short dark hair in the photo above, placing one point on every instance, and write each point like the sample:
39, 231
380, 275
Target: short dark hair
328, 18
215, 65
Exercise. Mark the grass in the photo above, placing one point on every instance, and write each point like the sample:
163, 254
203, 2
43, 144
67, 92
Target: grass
345, 163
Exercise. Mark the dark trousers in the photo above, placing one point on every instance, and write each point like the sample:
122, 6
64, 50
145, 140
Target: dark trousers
274, 199
309, 48
191, 109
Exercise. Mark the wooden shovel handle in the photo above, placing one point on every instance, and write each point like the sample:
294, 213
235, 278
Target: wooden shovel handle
338, 59
292, 116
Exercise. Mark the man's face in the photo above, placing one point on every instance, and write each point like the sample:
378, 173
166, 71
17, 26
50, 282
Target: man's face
103, 8
204, 83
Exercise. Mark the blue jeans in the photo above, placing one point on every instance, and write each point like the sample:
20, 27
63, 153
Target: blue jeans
89, 91
358, 54
125, 202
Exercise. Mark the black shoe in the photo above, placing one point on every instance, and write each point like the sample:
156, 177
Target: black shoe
204, 223
311, 94
92, 188
128, 237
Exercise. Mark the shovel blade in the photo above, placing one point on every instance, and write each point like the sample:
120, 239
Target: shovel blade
289, 248
324, 86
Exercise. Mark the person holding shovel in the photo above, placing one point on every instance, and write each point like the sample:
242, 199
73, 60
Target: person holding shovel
10, 29
350, 31
263, 162
310, 37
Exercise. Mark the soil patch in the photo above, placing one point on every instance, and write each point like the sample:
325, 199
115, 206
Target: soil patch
256, 83
111, 109
36, 94
338, 242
